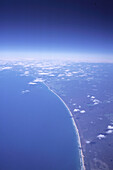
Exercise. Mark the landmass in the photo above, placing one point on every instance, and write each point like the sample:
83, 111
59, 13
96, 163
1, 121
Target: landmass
89, 99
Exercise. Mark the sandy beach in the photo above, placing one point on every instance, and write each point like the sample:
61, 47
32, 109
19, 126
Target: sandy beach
76, 130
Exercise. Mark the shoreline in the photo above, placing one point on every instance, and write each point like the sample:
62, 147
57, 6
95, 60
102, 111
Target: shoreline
76, 130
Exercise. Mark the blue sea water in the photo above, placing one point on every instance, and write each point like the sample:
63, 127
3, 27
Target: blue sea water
36, 131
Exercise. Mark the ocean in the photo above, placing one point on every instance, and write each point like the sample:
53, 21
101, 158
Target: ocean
36, 130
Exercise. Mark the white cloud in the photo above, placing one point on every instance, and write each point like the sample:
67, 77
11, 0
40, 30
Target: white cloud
88, 142
82, 111
69, 74
110, 127
38, 80
109, 131
31, 83
25, 91
83, 75
43, 73
26, 73
92, 97
76, 110
96, 101
51, 75
67, 70
5, 68
60, 75
101, 136
74, 72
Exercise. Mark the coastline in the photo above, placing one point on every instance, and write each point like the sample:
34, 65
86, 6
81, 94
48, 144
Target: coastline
76, 129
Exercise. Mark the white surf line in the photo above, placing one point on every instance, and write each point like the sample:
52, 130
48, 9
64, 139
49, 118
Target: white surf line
76, 130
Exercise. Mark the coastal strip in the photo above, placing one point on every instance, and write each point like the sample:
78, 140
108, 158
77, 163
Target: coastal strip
76, 129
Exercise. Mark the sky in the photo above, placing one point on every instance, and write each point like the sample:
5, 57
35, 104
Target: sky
57, 26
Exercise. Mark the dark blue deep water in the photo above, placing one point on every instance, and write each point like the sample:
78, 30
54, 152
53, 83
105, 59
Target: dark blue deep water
36, 131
